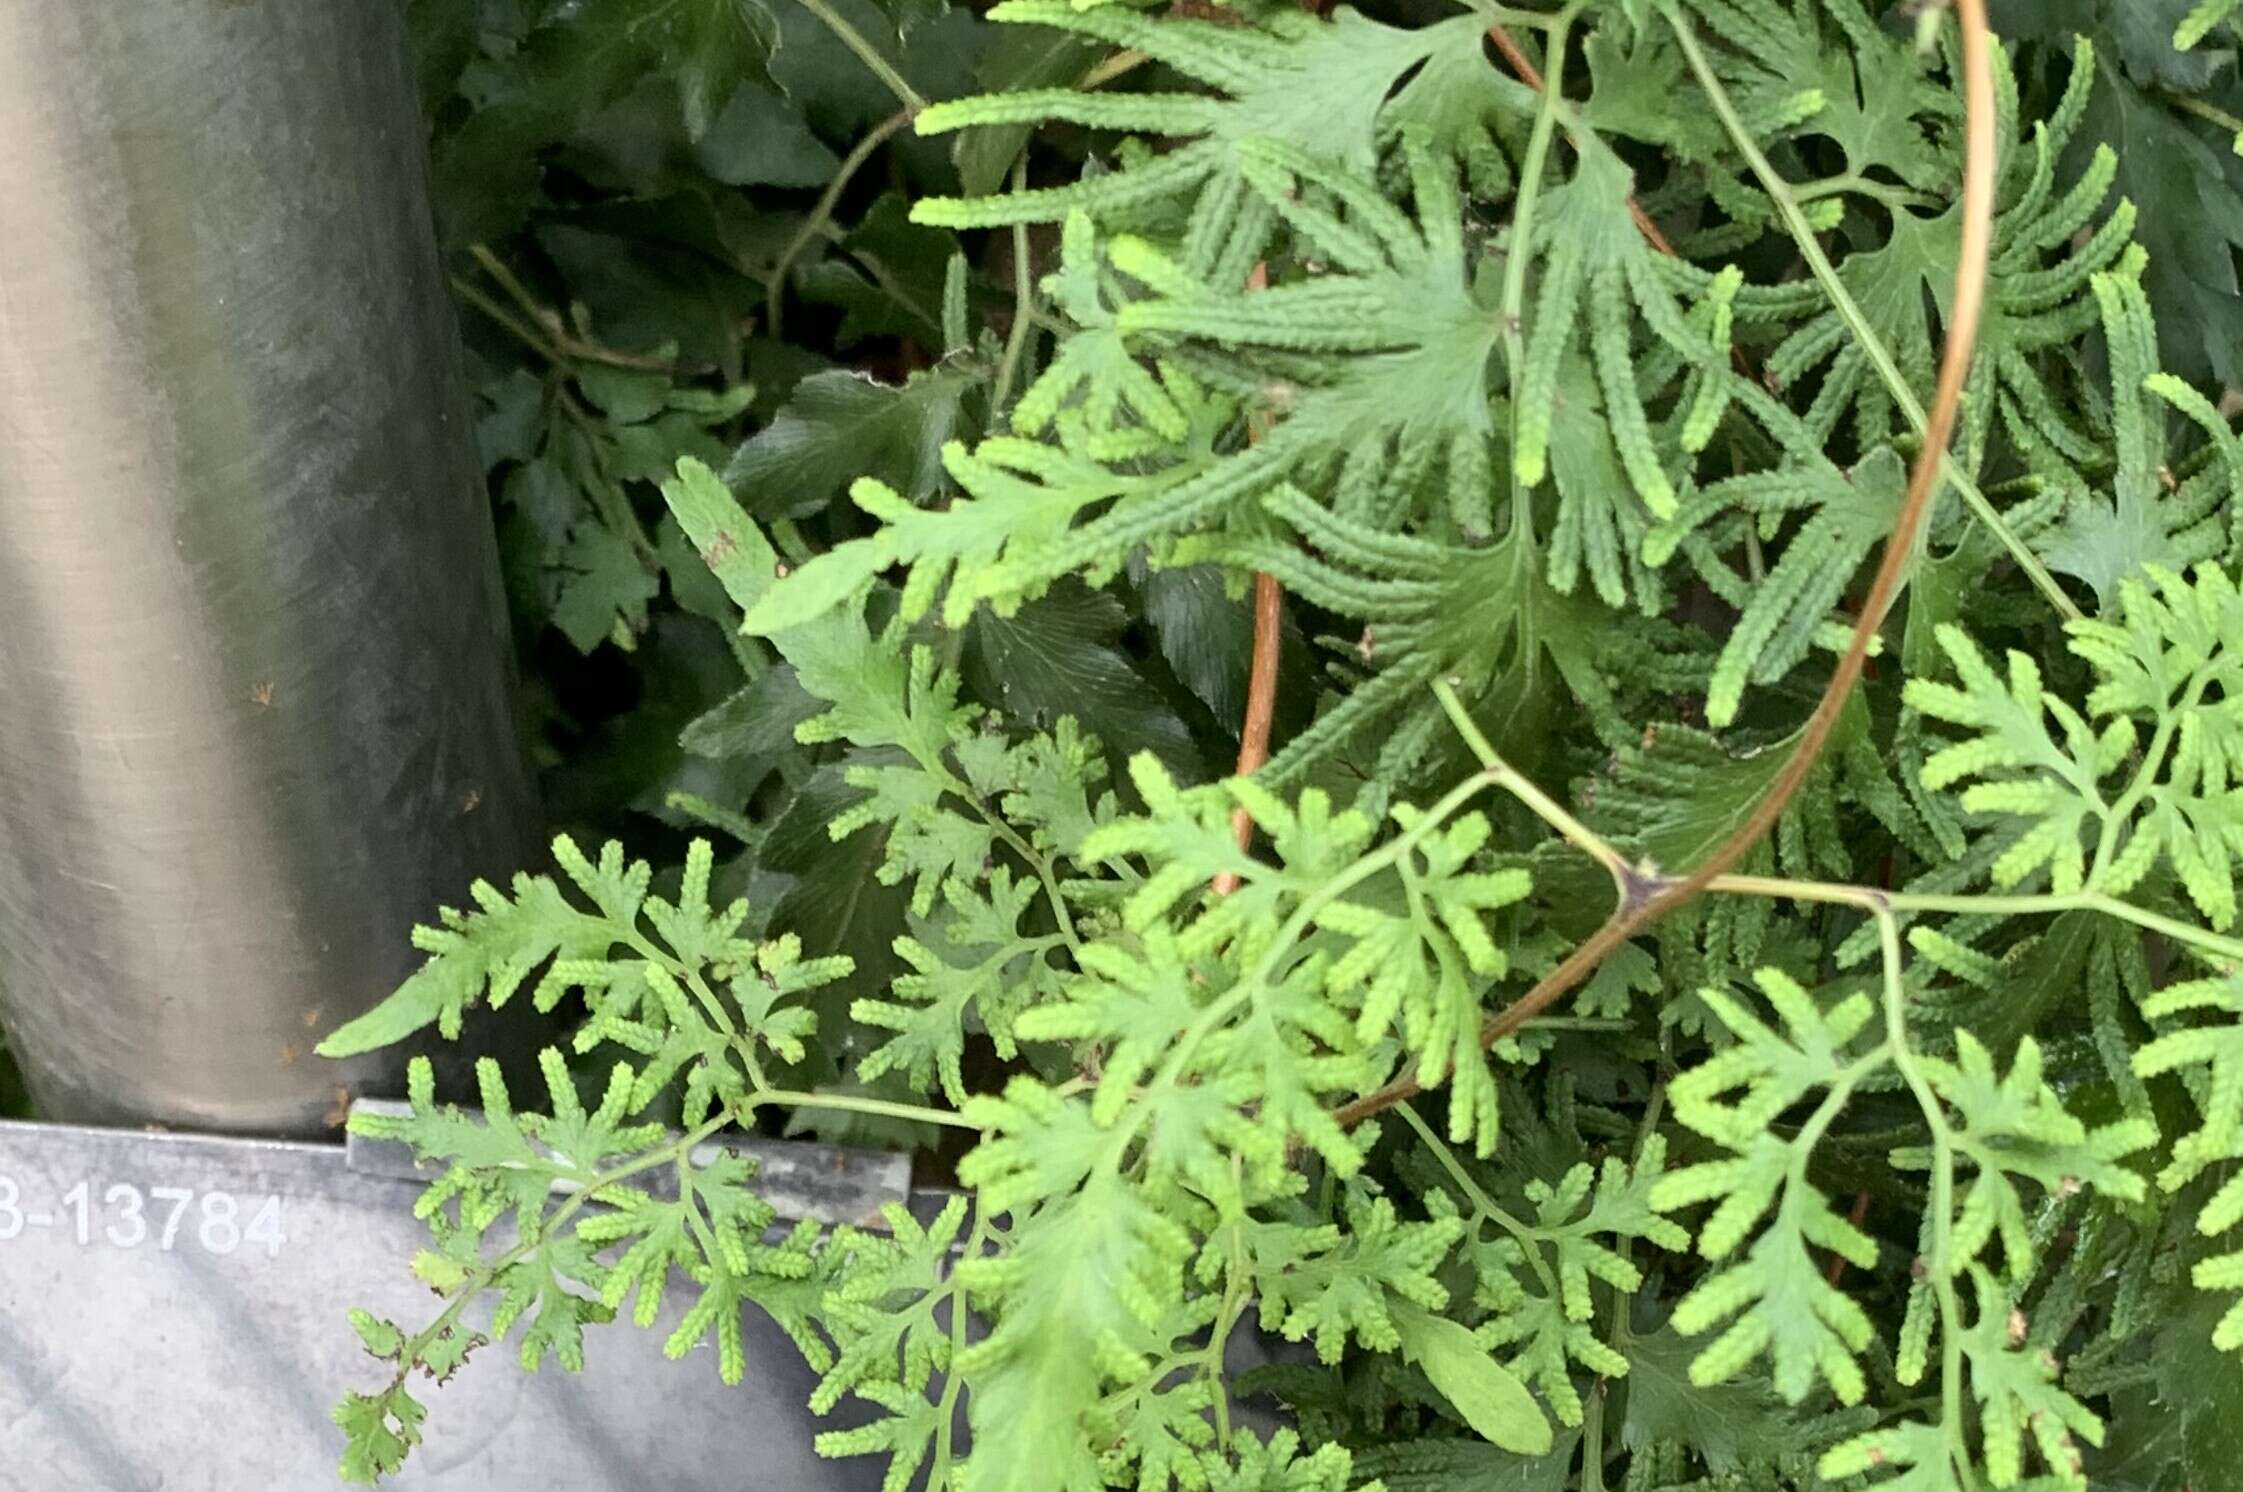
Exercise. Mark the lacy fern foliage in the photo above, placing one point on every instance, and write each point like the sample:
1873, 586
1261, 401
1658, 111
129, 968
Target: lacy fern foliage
1565, 367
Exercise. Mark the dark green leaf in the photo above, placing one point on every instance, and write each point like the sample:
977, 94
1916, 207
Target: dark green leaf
760, 140
513, 418
1468, 1466
633, 760
601, 578
2145, 1447
835, 901
1059, 656
892, 282
757, 721
2138, 34
707, 48
840, 426
2203, 1388
547, 498
2191, 221
627, 395
646, 288
1205, 633
1726, 1423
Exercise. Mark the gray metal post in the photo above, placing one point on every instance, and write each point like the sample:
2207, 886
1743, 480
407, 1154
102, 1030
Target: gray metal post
253, 667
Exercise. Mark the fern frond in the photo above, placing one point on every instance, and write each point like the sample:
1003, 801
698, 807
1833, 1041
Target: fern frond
1329, 86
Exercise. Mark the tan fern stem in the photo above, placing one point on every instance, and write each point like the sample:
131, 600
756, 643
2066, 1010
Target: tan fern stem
1261, 677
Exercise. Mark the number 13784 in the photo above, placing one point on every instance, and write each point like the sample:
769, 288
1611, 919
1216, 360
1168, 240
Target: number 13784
164, 1217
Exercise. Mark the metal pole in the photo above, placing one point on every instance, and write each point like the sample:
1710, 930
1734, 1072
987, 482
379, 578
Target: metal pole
254, 713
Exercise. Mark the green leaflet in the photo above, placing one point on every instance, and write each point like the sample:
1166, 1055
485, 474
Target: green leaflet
1596, 262
1489, 1398
2165, 660
2142, 527
1786, 611
1783, 1306
487, 954
1407, 300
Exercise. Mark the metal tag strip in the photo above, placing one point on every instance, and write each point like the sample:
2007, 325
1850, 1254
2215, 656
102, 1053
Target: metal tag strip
172, 1315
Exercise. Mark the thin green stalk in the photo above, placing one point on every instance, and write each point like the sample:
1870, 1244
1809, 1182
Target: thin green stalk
1941, 1264
1849, 310
1592, 1427
467, 290
1236, 1292
946, 1413
821, 214
1592, 1439
607, 493
878, 1108
2180, 932
1581, 1023
1873, 899
1861, 186
1125, 61
508, 281
2145, 777
1019, 845
1545, 807
554, 339
1531, 169
786, 537
881, 68
1023, 304
1528, 1237
2189, 103
690, 976
730, 820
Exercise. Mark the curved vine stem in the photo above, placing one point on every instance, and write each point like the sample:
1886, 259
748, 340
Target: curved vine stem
879, 66
546, 334
1646, 901
821, 215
